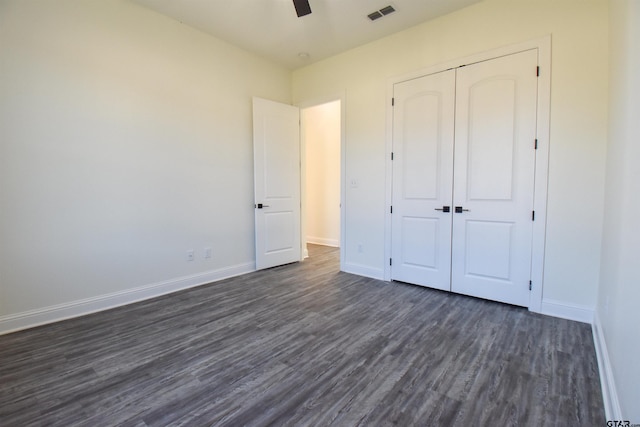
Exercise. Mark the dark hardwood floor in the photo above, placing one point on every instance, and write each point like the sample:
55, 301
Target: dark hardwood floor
303, 344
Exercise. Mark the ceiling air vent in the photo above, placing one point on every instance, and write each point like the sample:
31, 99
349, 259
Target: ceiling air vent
380, 13
387, 10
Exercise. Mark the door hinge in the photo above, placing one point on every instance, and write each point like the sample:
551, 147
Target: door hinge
392, 155
530, 285
393, 102
390, 261
538, 71
391, 210
535, 145
533, 215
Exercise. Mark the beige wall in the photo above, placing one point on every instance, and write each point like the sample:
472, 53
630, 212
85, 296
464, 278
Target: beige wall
321, 139
578, 124
125, 140
619, 293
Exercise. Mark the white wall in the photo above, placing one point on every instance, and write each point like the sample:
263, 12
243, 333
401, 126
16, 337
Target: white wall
125, 140
578, 124
321, 136
619, 293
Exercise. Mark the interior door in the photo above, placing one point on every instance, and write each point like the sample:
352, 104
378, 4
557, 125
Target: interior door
494, 178
276, 151
423, 125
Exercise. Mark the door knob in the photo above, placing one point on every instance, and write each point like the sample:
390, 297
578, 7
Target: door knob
460, 210
444, 209
260, 206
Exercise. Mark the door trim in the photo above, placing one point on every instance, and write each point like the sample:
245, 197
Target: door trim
543, 44
341, 96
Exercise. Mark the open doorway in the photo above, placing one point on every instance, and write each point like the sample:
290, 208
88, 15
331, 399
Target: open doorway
321, 130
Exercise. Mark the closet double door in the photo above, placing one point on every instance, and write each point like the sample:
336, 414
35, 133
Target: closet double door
463, 178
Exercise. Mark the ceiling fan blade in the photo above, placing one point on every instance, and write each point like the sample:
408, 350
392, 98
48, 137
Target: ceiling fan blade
302, 7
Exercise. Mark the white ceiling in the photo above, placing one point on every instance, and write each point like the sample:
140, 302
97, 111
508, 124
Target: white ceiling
271, 28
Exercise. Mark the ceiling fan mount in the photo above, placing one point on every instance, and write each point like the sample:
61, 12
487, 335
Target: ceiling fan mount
302, 7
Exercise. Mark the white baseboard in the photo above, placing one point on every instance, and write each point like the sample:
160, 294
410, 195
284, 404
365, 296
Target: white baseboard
564, 310
324, 242
363, 270
609, 394
56, 313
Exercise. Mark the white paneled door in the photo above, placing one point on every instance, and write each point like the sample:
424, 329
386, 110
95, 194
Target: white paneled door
276, 151
488, 186
494, 178
422, 180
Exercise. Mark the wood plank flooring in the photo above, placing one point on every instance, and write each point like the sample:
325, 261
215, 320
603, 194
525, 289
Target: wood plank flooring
303, 345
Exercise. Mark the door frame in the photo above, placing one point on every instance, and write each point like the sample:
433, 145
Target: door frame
303, 169
543, 44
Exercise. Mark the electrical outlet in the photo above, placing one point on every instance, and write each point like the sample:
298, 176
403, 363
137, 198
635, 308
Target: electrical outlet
207, 253
191, 255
